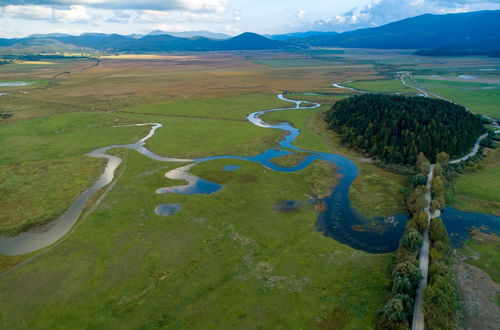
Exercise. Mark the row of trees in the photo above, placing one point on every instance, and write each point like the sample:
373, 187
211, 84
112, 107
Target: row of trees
396, 129
440, 296
406, 275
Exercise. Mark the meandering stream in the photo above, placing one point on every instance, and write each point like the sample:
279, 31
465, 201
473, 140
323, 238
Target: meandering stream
339, 220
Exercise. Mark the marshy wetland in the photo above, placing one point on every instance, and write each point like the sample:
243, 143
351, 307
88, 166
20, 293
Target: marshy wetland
194, 238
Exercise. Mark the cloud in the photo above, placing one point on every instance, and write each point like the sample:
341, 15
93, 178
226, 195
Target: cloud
154, 16
161, 5
301, 14
118, 16
379, 12
71, 14
118, 11
121, 12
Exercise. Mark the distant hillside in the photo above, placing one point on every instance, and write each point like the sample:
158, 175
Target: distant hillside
149, 43
451, 34
299, 35
475, 30
49, 35
191, 34
165, 42
39, 45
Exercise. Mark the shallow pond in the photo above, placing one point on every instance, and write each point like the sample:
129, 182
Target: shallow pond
167, 209
287, 205
231, 168
459, 224
15, 83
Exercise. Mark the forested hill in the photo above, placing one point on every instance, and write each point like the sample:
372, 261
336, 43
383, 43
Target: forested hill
397, 128
472, 30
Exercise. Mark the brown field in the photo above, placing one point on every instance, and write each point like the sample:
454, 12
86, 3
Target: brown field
124, 81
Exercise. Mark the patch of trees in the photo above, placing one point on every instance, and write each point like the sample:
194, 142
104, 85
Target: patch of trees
396, 129
440, 296
405, 277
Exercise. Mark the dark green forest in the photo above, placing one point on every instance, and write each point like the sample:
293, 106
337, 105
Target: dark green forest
397, 128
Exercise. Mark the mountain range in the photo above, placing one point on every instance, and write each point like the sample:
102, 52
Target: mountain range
191, 34
298, 35
477, 30
468, 33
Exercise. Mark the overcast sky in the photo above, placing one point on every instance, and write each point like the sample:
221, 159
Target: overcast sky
24, 17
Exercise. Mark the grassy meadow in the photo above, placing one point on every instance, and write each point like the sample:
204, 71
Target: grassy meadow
477, 189
381, 86
124, 266
479, 97
44, 189
483, 251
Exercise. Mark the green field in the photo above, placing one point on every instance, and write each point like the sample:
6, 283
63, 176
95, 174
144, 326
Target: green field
43, 167
38, 192
124, 265
323, 99
381, 86
299, 62
187, 137
231, 107
483, 251
471, 95
477, 189
65, 135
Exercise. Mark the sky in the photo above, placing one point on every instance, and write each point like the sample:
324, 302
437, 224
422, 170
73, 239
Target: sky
19, 18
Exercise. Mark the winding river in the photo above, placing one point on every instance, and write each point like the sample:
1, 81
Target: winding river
339, 220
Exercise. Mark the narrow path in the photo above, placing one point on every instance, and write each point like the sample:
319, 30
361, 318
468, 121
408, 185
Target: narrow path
418, 312
403, 81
